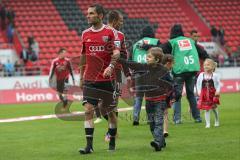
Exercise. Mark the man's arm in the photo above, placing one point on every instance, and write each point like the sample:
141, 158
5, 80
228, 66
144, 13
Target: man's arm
146, 47
52, 69
109, 70
133, 65
125, 55
202, 53
82, 64
166, 47
71, 72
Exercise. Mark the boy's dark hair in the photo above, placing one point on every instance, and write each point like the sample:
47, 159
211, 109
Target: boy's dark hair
176, 31
193, 31
99, 9
113, 16
157, 53
167, 58
148, 32
61, 50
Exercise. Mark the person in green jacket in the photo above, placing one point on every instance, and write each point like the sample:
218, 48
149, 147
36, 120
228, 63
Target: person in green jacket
139, 54
186, 64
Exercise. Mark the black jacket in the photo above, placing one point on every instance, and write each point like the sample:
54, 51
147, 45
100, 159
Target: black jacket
152, 80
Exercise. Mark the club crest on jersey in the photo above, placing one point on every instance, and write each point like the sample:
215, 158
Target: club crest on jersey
105, 38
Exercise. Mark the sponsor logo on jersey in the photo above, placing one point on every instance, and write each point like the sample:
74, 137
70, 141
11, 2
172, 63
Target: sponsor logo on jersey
145, 41
184, 45
96, 48
117, 44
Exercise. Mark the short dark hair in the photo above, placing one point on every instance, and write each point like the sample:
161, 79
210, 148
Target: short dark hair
193, 31
148, 32
176, 31
167, 58
113, 15
99, 9
61, 50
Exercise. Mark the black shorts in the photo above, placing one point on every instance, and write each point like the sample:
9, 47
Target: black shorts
93, 92
61, 85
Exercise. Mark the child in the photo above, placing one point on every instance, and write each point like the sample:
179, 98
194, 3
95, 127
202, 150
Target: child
208, 88
156, 90
168, 63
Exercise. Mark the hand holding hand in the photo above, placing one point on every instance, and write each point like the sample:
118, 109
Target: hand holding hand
107, 72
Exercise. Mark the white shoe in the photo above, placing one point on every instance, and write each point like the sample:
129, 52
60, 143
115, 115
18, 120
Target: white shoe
216, 124
98, 120
207, 126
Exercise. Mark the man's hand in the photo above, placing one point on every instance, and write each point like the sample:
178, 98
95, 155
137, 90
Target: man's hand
51, 82
108, 72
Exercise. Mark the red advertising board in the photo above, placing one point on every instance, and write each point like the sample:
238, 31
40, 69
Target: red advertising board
49, 95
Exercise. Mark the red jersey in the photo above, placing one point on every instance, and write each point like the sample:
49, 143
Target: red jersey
61, 67
121, 39
124, 54
98, 46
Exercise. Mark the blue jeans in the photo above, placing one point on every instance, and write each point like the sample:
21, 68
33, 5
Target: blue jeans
189, 80
137, 108
155, 112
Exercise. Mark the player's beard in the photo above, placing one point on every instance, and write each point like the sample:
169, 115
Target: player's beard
96, 22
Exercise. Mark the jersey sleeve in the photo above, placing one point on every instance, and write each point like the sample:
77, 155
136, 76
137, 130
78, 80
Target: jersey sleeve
124, 47
52, 68
115, 39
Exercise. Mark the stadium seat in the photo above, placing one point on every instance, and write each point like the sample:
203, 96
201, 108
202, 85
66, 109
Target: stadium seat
222, 13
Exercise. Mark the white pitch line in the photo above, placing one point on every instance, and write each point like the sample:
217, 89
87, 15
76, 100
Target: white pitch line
31, 118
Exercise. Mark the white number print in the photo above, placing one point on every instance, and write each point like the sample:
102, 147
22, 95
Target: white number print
188, 59
141, 58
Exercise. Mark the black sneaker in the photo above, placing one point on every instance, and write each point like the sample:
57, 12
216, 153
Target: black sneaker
111, 148
165, 134
155, 145
135, 123
87, 150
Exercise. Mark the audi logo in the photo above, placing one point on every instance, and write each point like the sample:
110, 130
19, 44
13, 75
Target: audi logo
96, 48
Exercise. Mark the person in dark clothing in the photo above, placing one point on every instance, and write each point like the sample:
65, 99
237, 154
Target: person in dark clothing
221, 34
24, 55
157, 84
10, 15
168, 63
214, 33
203, 53
140, 49
3, 16
186, 57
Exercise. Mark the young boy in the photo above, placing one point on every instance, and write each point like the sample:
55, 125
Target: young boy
156, 88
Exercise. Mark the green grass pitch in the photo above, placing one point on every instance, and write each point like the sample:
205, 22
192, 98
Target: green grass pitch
55, 139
